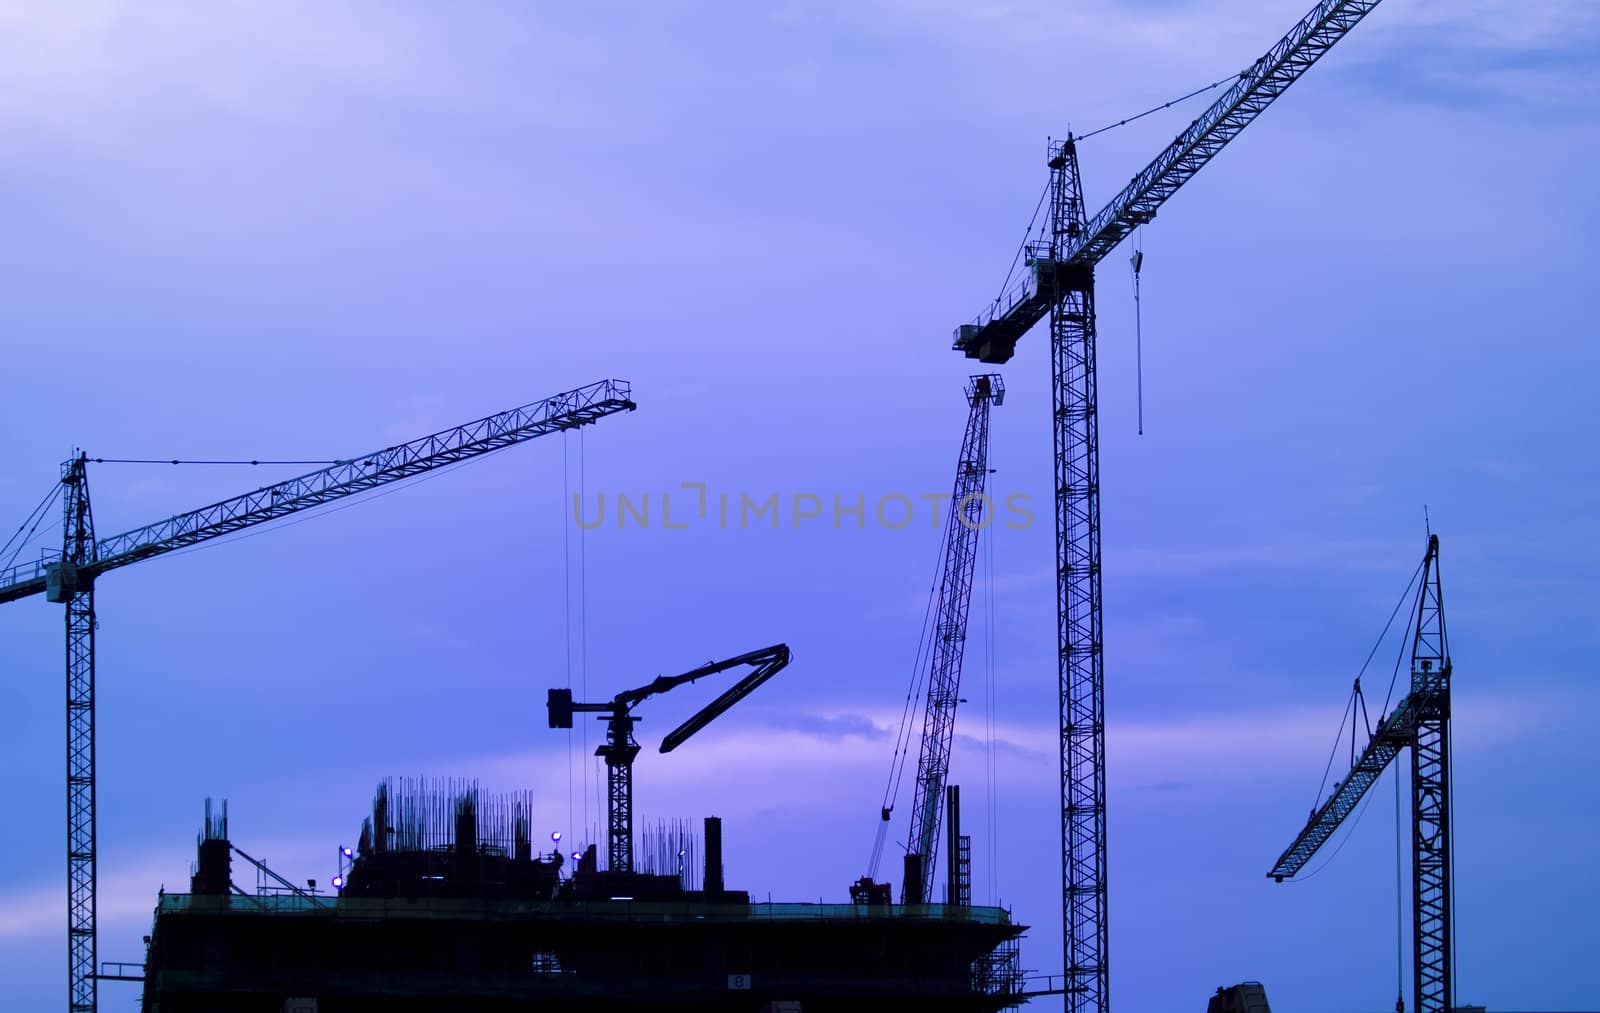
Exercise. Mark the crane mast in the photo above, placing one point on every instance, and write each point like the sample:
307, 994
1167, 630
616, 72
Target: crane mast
79, 553
1058, 282
1421, 721
1080, 663
962, 526
69, 577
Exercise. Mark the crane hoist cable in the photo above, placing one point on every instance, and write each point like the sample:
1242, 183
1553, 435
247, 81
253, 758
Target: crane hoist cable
1136, 262
583, 617
566, 628
991, 772
1399, 901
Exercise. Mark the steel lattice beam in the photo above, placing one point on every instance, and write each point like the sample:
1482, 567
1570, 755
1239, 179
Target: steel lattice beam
569, 410
1430, 798
1422, 722
963, 524
619, 752
68, 577
1080, 665
1393, 735
79, 549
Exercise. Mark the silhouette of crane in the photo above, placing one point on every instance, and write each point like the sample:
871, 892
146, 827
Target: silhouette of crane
69, 578
1059, 283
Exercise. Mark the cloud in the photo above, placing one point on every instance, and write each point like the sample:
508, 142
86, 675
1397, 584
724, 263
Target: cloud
816, 756
125, 894
1322, 555
93, 57
1003, 745
828, 759
830, 729
1219, 750
1476, 52
120, 898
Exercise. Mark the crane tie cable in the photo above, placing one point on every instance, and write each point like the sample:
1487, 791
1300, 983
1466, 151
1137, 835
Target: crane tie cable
36, 517
1156, 109
1010, 271
151, 460
1349, 714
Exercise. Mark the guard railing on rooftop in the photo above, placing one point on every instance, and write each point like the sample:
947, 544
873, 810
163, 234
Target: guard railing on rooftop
447, 907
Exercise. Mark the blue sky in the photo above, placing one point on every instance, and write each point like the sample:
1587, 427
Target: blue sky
286, 230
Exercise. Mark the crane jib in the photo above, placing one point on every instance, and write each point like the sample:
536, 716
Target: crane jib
996, 330
568, 410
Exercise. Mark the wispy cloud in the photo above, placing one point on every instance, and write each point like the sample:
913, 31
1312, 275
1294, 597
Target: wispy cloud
121, 898
837, 760
1478, 51
125, 895
1322, 555
830, 728
815, 756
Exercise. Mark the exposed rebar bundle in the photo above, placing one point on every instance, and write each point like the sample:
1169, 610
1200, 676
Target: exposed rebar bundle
448, 814
671, 848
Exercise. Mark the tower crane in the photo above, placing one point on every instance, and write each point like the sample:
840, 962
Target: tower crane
1421, 721
619, 749
69, 578
1059, 282
952, 600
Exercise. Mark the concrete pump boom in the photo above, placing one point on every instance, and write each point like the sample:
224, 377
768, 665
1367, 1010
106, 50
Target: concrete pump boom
619, 749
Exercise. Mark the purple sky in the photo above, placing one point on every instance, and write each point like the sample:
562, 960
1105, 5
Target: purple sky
297, 230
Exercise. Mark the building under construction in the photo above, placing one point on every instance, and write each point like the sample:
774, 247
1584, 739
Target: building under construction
446, 904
